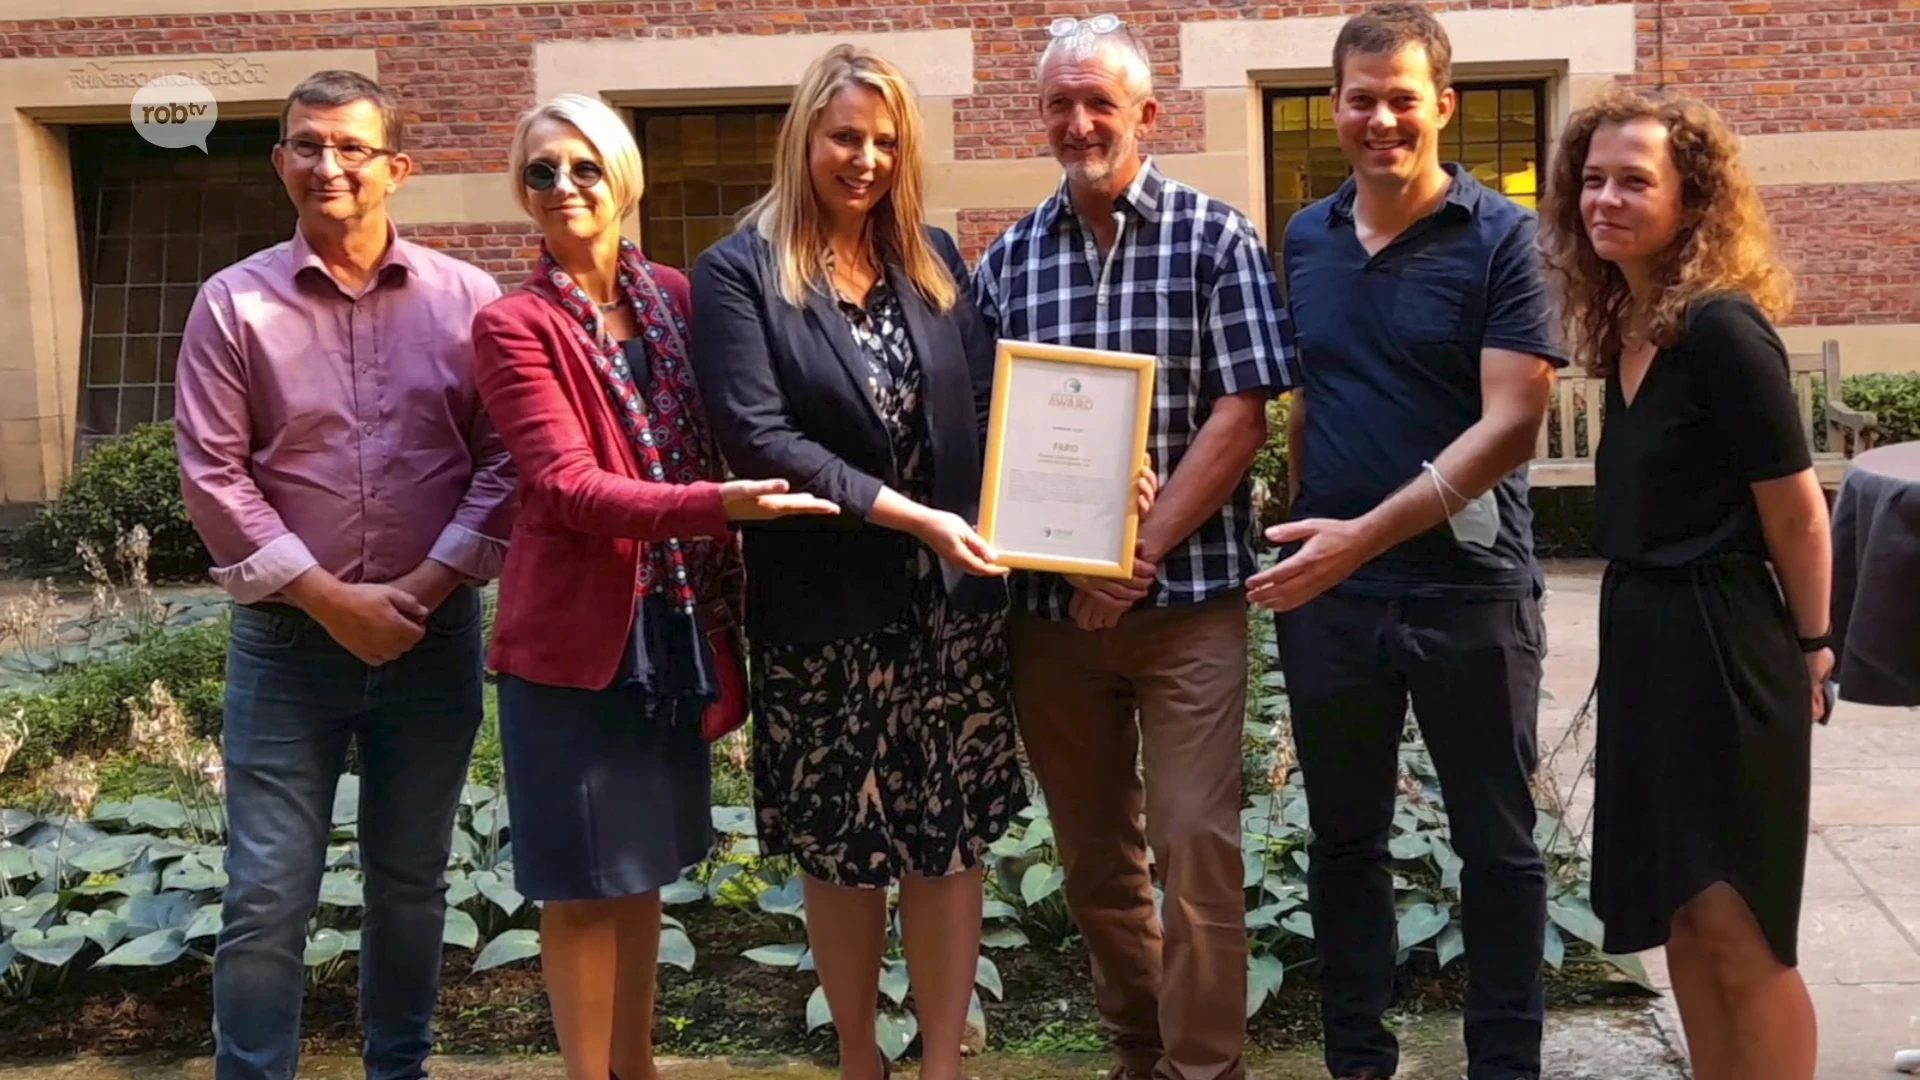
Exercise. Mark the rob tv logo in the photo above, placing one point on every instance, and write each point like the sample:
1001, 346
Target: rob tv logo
175, 111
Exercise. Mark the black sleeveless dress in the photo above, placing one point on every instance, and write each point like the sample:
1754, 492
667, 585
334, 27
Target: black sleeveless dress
1704, 717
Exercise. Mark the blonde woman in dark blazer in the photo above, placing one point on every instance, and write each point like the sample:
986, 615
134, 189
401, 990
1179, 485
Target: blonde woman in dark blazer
838, 351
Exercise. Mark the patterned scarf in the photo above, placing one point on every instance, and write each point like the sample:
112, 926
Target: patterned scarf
666, 428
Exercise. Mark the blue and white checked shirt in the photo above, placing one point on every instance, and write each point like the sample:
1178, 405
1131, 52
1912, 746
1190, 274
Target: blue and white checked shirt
1189, 281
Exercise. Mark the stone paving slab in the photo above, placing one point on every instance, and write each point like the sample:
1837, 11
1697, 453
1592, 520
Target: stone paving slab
1862, 1025
1860, 920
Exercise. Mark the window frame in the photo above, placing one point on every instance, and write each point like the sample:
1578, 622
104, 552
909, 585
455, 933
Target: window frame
1270, 95
640, 114
108, 162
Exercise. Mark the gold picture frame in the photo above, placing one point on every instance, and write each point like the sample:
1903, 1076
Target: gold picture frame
1067, 434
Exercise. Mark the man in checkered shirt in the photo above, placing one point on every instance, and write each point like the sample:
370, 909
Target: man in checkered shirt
1123, 258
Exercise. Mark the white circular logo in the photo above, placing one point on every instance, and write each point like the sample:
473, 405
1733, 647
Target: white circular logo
174, 111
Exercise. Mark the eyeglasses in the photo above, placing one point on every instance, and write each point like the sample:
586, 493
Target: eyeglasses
542, 175
351, 155
1099, 24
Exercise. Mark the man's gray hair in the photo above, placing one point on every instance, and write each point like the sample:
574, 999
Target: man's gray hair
1121, 49
338, 87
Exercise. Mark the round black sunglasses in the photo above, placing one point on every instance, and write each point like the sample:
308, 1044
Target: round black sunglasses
542, 175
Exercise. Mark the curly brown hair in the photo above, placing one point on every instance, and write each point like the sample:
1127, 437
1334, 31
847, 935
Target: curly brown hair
1725, 242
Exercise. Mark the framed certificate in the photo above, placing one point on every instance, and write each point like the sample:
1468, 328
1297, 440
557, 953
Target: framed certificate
1064, 444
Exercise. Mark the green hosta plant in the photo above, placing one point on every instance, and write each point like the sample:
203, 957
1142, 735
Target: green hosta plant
139, 884
1426, 870
738, 876
1026, 898
74, 894
482, 903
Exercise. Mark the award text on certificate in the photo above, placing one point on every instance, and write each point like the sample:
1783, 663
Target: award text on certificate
1066, 472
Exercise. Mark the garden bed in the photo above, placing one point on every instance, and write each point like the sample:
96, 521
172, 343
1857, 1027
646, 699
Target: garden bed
115, 957
727, 1005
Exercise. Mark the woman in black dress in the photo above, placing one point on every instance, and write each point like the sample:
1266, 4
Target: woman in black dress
1713, 617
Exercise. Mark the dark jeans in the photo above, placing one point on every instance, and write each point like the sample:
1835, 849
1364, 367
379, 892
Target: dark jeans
294, 700
1472, 671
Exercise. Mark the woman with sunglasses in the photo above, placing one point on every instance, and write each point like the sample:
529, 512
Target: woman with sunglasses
614, 640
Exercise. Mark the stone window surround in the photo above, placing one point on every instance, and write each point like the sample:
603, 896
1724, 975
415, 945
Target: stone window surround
1577, 51
1230, 62
41, 300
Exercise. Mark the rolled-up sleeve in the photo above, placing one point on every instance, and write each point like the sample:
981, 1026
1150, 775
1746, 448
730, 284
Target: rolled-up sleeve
474, 543
255, 555
474, 555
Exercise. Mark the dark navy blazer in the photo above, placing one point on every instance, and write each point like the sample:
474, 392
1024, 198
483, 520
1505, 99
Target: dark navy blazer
785, 390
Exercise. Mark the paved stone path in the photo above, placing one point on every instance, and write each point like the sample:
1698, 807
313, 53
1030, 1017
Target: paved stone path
1860, 923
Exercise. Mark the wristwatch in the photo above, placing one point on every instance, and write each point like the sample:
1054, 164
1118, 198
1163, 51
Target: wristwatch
1815, 644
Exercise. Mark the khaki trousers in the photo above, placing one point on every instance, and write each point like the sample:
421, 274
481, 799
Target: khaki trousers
1172, 997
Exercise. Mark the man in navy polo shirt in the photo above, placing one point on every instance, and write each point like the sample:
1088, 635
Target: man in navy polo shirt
1427, 353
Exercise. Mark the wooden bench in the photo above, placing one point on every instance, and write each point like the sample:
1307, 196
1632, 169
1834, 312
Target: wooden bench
1563, 455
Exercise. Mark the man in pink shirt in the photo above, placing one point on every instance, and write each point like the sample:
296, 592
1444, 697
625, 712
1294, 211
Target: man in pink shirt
336, 460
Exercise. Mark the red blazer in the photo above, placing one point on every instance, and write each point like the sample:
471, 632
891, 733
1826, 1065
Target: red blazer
567, 593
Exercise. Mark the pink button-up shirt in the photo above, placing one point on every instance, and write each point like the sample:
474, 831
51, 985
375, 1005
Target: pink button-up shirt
316, 427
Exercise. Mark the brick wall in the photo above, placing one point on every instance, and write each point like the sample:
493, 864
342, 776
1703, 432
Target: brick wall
1855, 250
1000, 119
465, 73
505, 250
1790, 65
979, 227
1782, 66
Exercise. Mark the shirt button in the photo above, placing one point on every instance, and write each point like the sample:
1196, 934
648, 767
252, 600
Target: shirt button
368, 428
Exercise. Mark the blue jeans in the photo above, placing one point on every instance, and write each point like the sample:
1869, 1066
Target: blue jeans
295, 698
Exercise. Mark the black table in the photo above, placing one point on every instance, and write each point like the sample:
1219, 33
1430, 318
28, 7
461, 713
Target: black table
1876, 589
1876, 577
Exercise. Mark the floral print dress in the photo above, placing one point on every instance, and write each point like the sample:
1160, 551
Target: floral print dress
892, 753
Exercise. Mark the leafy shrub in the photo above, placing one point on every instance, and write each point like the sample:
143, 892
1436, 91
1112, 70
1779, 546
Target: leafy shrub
1894, 399
83, 708
1562, 522
126, 482
1270, 466
138, 884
